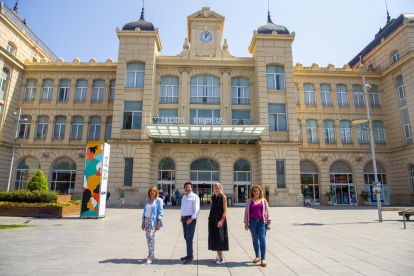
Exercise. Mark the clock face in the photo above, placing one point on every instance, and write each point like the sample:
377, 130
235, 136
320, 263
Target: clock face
205, 37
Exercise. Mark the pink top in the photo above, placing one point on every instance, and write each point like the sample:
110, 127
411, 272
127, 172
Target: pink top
256, 210
265, 212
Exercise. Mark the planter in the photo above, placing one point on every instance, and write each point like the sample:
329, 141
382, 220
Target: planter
64, 198
329, 202
39, 212
366, 203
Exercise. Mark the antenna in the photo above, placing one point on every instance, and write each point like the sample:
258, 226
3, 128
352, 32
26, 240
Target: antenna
388, 14
268, 6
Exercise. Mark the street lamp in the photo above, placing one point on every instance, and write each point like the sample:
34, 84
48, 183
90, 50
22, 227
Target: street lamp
14, 144
371, 141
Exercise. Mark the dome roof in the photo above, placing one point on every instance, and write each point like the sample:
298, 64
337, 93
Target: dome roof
270, 27
141, 23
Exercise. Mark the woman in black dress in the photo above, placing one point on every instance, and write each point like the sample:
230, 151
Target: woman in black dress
218, 239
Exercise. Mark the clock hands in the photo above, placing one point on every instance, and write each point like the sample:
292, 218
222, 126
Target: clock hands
206, 35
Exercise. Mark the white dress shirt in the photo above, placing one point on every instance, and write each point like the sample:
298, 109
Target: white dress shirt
190, 206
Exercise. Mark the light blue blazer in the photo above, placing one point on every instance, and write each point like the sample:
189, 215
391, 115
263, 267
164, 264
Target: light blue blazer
156, 212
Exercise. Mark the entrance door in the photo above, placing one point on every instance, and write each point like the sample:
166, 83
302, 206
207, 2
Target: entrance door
168, 187
342, 195
241, 194
204, 192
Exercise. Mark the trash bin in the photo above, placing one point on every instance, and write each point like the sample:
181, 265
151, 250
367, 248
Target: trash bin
229, 201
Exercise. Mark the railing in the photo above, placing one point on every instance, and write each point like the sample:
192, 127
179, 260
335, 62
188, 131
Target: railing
240, 100
167, 100
204, 100
404, 216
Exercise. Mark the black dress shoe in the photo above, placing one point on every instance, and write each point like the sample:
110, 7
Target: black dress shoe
188, 260
184, 258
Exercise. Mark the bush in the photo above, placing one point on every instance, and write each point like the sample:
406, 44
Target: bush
29, 197
38, 182
41, 204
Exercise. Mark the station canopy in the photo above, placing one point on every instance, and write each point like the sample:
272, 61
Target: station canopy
205, 134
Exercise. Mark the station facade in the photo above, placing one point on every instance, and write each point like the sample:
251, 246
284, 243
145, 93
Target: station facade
207, 116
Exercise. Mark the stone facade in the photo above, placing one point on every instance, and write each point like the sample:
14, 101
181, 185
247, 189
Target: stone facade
212, 59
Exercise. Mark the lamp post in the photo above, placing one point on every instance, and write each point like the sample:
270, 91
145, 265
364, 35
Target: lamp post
371, 141
14, 145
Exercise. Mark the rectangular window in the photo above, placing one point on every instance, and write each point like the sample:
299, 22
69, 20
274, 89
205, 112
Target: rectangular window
30, 91
167, 116
326, 97
358, 97
407, 127
309, 92
132, 115
81, 89
24, 127
342, 95
204, 117
240, 117
374, 96
280, 173
395, 57
64, 89
346, 134
47, 91
362, 132
401, 91
112, 91
98, 90
108, 128
329, 131
10, 49
59, 128
94, 132
169, 90
128, 172
299, 132
41, 129
275, 77
77, 128
135, 75
297, 94
205, 90
312, 131
277, 117
240, 91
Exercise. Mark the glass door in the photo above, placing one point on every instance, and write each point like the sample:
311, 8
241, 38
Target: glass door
353, 195
168, 188
204, 192
342, 194
241, 194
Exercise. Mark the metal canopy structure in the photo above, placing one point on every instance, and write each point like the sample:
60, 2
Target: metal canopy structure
205, 134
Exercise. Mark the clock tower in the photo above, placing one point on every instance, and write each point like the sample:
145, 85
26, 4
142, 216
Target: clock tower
205, 30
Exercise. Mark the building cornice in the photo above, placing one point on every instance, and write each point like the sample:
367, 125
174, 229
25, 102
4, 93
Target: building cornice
138, 32
11, 59
240, 62
331, 71
273, 36
398, 64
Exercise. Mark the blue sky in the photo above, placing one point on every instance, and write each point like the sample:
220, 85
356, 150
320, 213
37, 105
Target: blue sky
327, 31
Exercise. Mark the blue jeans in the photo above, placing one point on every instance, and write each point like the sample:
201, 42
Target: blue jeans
258, 229
188, 231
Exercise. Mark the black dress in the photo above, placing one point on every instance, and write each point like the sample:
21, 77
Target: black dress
218, 239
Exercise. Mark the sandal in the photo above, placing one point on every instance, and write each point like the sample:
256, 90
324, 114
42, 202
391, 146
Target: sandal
263, 263
255, 261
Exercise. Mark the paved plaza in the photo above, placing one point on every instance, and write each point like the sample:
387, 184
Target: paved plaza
303, 241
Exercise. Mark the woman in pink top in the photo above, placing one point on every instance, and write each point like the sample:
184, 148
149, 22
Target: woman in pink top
257, 219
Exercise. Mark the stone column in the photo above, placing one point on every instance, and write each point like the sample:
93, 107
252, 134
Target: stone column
50, 127
225, 95
321, 134
72, 92
338, 139
184, 95
55, 92
103, 128
106, 92
355, 136
33, 126
350, 94
85, 129
301, 93
38, 90
89, 93
67, 129
304, 133
318, 100
334, 98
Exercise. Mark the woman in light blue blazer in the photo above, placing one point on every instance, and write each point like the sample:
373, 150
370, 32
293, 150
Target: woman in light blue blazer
151, 220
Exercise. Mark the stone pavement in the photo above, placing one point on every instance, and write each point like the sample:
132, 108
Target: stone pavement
303, 241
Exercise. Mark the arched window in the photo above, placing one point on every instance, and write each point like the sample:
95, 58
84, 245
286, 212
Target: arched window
205, 90
312, 131
11, 48
401, 90
275, 77
326, 97
329, 131
369, 178
362, 130
25, 171
59, 128
395, 56
309, 92
24, 127
63, 176
166, 170
98, 90
81, 90
204, 170
64, 90
3, 83
242, 171
346, 133
30, 91
342, 95
135, 74
240, 91
47, 91
374, 98
342, 183
169, 90
358, 97
77, 128
379, 132
309, 179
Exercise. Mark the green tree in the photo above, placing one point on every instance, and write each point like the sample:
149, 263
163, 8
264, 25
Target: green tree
38, 182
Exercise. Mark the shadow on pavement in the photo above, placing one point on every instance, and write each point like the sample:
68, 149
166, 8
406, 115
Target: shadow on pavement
208, 262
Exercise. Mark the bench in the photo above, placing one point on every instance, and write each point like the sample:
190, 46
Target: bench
407, 214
